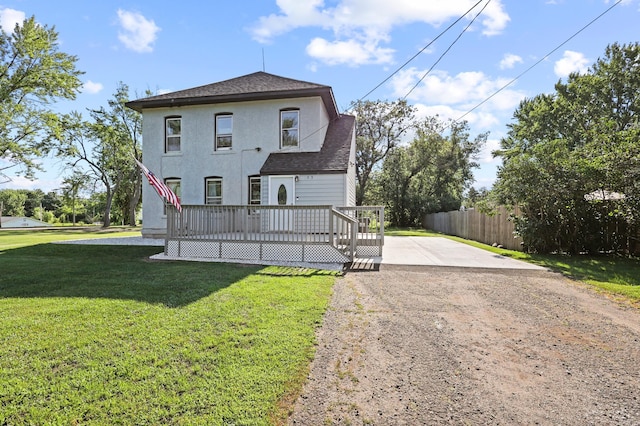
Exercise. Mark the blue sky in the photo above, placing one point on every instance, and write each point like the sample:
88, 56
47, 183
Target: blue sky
351, 45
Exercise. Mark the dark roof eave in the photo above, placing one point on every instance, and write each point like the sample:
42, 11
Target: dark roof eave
303, 172
324, 93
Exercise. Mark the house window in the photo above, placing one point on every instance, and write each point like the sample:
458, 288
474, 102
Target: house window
174, 185
254, 190
289, 136
213, 190
173, 132
224, 131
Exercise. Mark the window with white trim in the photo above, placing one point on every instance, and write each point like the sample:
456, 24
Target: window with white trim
174, 185
255, 185
173, 134
224, 131
213, 190
289, 131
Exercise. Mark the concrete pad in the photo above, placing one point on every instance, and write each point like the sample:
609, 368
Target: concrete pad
438, 251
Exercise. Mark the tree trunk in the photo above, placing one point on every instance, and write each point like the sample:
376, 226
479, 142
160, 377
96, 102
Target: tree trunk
106, 222
133, 204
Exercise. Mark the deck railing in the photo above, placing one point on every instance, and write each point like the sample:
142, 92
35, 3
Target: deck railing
252, 228
370, 228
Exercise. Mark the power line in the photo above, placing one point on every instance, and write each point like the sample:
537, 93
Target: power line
419, 52
447, 50
538, 62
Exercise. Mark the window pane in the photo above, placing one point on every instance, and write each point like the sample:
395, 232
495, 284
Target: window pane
289, 138
173, 131
173, 126
289, 128
289, 120
254, 190
214, 191
224, 124
173, 143
224, 141
174, 185
224, 131
282, 195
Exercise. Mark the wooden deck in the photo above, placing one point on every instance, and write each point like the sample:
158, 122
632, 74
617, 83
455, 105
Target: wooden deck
319, 234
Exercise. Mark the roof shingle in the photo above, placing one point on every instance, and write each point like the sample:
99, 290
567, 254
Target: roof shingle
333, 156
250, 87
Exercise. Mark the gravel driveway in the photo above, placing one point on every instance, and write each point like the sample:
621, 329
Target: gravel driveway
436, 345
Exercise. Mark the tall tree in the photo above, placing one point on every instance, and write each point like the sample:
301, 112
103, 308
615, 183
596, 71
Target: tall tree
580, 140
72, 186
33, 75
380, 128
431, 173
125, 125
107, 146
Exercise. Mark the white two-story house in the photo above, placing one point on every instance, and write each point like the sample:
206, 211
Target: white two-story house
255, 139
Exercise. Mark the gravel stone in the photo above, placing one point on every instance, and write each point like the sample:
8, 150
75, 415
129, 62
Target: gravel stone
434, 345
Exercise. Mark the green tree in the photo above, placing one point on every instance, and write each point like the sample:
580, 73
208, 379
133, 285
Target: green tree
379, 129
430, 174
33, 75
13, 201
124, 126
34, 202
107, 146
51, 202
580, 140
72, 188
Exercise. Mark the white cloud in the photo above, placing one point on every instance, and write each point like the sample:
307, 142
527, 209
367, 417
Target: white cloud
350, 52
295, 14
137, 33
486, 156
92, 88
509, 61
21, 182
360, 26
571, 62
465, 89
9, 18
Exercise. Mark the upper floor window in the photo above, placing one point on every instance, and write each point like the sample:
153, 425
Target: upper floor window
224, 131
213, 190
173, 132
289, 132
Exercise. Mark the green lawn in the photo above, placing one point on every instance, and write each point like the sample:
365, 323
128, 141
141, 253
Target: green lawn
102, 335
13, 238
613, 274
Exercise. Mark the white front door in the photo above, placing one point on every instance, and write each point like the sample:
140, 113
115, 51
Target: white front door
281, 193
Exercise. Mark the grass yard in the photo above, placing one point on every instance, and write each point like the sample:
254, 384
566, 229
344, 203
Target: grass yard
102, 335
614, 275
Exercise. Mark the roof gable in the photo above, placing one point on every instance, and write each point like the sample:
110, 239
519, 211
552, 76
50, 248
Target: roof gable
250, 87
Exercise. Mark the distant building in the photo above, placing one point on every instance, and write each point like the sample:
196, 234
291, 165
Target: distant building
21, 222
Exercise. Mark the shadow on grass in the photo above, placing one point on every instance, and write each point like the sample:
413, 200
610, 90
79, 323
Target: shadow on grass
112, 272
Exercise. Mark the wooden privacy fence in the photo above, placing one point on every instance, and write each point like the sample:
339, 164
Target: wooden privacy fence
476, 226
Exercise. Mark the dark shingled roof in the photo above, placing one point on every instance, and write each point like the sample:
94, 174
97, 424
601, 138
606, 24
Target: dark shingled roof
332, 158
250, 87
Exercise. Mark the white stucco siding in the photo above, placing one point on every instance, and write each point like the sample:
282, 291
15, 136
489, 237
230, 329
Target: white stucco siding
255, 125
321, 189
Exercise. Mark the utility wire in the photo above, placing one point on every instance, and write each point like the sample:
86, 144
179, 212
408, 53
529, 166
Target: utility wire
419, 52
448, 49
545, 57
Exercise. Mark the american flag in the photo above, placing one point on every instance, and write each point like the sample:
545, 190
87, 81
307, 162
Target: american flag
161, 188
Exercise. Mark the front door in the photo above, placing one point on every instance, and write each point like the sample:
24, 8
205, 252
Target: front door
281, 193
